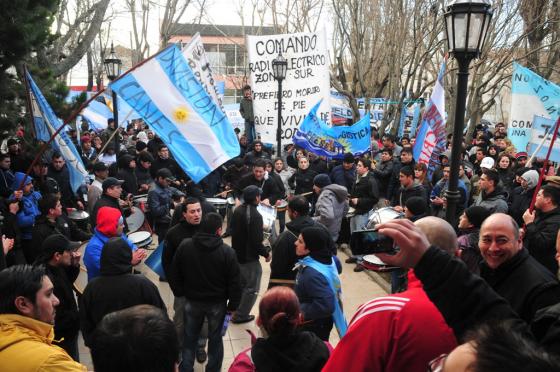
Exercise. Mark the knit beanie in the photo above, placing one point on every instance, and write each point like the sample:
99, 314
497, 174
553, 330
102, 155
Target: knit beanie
321, 180
108, 220
416, 205
477, 215
317, 243
532, 178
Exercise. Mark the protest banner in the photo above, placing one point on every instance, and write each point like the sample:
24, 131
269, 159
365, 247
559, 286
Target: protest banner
543, 127
531, 95
307, 81
333, 142
234, 116
198, 62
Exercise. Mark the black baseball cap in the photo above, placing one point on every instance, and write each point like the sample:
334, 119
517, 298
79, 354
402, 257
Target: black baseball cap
57, 243
165, 173
110, 182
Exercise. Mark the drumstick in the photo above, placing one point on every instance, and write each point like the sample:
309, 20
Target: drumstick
226, 191
305, 193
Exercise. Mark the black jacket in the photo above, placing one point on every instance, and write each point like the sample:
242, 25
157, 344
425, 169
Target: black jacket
540, 238
62, 177
107, 201
382, 173
284, 251
173, 238
520, 202
116, 289
205, 269
143, 176
394, 182
269, 188
403, 194
319, 166
127, 174
367, 192
302, 180
67, 319
63, 225
297, 352
247, 234
526, 284
479, 303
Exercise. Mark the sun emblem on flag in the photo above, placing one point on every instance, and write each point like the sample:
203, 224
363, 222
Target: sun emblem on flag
181, 114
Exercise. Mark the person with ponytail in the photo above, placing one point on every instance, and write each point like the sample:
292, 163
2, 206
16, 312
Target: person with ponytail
283, 347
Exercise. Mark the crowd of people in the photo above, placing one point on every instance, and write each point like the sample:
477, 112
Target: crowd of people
482, 295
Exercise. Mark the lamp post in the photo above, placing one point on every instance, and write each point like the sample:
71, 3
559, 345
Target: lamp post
466, 26
279, 68
113, 70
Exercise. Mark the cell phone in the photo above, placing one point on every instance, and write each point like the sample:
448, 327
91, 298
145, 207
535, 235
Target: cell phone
371, 241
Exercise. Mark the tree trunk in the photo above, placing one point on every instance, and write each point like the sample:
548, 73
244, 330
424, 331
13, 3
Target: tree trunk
89, 71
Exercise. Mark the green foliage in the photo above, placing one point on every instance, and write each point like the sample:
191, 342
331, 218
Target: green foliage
24, 28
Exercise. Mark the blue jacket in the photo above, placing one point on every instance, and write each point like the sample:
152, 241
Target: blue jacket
159, 201
92, 255
30, 210
314, 294
343, 177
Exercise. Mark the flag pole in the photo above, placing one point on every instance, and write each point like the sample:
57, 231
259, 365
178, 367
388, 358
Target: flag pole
28, 99
545, 165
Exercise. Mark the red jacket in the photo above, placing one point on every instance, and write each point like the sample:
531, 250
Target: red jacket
400, 332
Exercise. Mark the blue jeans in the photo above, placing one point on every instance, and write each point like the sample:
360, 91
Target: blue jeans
195, 312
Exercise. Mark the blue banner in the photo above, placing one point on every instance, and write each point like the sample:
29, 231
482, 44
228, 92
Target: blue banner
544, 127
333, 142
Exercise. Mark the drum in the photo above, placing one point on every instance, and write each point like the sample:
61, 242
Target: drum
135, 220
282, 206
382, 215
141, 239
82, 280
231, 201
374, 263
139, 199
218, 203
269, 216
81, 218
351, 212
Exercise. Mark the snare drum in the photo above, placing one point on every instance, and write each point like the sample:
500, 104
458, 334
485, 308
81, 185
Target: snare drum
135, 220
141, 238
269, 216
139, 199
231, 201
218, 203
374, 263
81, 218
282, 206
383, 215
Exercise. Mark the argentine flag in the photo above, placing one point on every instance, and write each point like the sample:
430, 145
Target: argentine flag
167, 95
97, 114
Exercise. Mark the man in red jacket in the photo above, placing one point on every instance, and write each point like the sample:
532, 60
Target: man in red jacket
400, 332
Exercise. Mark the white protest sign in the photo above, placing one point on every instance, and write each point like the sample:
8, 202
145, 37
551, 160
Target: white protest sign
234, 116
307, 81
196, 56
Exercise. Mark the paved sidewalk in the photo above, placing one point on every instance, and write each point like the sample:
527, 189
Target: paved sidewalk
357, 288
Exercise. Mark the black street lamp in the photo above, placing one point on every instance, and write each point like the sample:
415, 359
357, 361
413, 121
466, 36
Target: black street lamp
113, 70
279, 68
466, 26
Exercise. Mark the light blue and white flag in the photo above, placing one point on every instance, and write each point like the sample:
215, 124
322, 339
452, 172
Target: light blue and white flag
97, 114
46, 118
531, 95
333, 142
165, 92
543, 127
